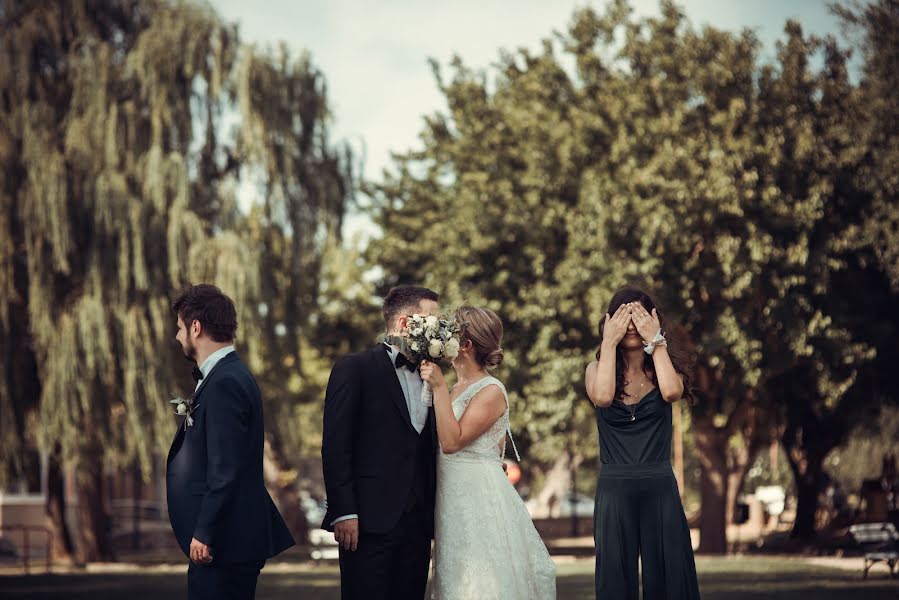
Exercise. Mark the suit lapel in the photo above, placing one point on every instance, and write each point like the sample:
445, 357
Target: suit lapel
176, 443
231, 357
392, 382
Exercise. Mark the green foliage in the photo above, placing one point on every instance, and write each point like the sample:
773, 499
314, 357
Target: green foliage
119, 187
861, 456
302, 187
668, 155
96, 201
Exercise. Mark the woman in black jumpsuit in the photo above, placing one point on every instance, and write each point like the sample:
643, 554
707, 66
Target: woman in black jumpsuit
638, 511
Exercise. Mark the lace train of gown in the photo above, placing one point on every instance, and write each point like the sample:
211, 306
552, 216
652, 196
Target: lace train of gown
486, 546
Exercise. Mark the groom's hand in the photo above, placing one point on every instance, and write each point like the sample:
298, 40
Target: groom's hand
199, 552
346, 533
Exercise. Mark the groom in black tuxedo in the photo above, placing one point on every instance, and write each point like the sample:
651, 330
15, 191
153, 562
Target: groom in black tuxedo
379, 453
221, 513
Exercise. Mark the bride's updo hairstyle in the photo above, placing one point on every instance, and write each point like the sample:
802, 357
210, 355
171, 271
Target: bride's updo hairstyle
485, 330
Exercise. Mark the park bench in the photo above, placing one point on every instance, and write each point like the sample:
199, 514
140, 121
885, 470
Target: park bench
880, 542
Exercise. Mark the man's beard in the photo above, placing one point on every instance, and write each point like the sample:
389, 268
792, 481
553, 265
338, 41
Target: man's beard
190, 351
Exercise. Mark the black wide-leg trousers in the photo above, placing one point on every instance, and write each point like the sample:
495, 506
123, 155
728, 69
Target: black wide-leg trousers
639, 514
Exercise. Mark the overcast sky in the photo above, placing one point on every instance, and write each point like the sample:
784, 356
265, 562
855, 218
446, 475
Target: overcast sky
374, 54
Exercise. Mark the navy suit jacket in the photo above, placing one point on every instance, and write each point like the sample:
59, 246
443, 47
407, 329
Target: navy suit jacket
214, 483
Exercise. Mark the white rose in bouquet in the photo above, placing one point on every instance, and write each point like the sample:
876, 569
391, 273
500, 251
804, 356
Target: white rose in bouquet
435, 349
451, 348
432, 322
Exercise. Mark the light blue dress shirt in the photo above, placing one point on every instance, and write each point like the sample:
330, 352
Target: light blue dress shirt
213, 360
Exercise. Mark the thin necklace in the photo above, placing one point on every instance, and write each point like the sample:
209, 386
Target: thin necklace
633, 406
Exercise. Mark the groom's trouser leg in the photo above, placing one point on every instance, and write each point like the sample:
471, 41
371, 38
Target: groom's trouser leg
365, 572
409, 576
236, 581
391, 566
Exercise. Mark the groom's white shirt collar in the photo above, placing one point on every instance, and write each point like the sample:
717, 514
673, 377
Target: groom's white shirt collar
213, 360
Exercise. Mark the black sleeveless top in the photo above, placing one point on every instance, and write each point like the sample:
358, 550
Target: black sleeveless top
644, 440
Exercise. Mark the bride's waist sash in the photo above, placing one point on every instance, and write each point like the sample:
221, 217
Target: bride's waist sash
469, 457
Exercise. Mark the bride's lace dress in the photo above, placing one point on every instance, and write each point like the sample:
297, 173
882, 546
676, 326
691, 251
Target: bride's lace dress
486, 546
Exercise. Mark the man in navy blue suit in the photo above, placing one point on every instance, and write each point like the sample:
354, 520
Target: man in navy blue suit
221, 513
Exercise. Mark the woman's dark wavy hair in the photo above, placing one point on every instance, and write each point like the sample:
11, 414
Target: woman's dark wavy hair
681, 358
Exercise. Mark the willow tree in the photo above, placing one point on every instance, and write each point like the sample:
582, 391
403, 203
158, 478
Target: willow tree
302, 186
120, 187
99, 225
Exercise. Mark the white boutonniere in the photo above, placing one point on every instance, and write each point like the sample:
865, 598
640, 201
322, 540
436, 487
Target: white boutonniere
185, 408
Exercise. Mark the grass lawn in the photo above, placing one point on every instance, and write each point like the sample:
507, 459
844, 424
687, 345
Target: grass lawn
741, 578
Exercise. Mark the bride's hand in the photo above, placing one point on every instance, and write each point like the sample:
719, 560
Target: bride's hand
432, 374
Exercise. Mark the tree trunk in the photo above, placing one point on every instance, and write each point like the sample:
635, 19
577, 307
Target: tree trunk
137, 481
94, 525
741, 457
711, 444
808, 473
61, 546
811, 431
282, 486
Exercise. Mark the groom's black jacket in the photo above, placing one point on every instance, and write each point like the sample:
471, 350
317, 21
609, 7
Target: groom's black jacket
375, 463
214, 482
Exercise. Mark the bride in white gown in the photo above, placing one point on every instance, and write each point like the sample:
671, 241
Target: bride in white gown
486, 546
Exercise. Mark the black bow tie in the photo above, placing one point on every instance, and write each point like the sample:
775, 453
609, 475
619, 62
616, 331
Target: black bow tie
401, 361
198, 374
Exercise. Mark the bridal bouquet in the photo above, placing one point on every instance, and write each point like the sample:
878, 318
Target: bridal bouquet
430, 338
